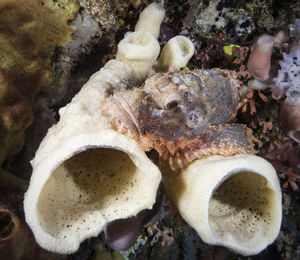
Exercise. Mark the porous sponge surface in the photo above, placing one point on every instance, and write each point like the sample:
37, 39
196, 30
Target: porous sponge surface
90, 185
241, 207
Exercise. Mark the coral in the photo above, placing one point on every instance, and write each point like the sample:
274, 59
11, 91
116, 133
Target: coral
289, 76
209, 53
283, 156
165, 235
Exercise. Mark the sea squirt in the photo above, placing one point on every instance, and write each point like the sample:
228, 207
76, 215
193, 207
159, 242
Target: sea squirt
183, 115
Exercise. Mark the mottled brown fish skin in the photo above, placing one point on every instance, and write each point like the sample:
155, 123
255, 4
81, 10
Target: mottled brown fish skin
226, 140
183, 115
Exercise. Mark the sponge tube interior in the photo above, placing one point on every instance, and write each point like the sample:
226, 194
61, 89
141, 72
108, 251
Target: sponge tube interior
92, 184
176, 52
240, 210
139, 50
233, 201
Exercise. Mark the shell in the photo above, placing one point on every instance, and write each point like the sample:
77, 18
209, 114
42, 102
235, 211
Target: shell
183, 115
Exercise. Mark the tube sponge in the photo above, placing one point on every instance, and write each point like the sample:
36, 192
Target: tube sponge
139, 50
232, 201
85, 174
150, 19
290, 119
176, 52
259, 63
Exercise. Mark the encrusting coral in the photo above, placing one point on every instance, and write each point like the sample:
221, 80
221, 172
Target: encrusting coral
91, 174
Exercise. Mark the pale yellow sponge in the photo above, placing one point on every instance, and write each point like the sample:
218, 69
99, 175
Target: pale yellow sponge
85, 174
177, 52
150, 19
139, 50
232, 201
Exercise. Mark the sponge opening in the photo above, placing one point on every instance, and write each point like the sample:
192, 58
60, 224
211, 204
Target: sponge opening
86, 189
185, 46
140, 38
241, 210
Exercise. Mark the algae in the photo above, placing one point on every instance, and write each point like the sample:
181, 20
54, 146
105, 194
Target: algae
29, 33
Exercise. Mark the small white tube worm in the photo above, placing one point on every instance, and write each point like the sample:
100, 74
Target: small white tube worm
232, 201
85, 174
139, 50
177, 52
150, 19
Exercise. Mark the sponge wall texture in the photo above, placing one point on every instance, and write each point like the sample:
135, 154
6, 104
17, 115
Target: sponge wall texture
232, 201
150, 19
177, 52
139, 50
85, 174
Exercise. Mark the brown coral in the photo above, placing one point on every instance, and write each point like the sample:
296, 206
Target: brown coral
183, 115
